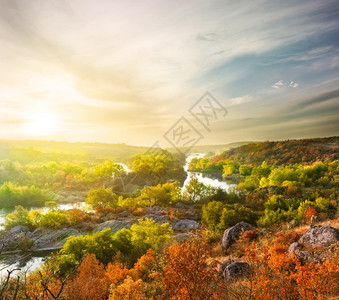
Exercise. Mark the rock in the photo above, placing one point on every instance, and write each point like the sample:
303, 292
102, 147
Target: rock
185, 224
231, 235
154, 211
233, 269
47, 238
124, 214
320, 236
114, 225
19, 229
304, 256
158, 218
293, 224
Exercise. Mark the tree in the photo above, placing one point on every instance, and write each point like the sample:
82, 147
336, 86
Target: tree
194, 191
90, 282
187, 274
101, 197
211, 214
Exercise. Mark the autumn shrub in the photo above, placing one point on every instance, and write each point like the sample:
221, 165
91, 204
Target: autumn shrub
187, 274
75, 216
310, 211
129, 289
138, 211
90, 282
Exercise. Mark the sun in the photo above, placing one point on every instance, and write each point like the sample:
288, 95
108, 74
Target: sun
41, 123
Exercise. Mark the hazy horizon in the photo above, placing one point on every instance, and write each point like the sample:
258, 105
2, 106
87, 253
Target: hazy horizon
126, 72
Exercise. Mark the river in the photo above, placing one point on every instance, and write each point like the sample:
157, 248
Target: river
204, 178
33, 262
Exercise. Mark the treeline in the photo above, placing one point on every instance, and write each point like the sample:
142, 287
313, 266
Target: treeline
46, 151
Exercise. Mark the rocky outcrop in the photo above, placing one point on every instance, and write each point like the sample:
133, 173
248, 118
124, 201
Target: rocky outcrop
185, 224
233, 269
44, 238
314, 245
231, 235
320, 236
20, 238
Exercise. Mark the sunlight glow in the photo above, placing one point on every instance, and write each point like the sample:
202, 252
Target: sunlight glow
41, 123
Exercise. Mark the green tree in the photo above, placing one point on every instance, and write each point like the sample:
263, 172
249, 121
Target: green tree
101, 197
195, 191
211, 214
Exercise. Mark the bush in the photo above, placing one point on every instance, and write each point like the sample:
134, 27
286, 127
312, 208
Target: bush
232, 215
11, 196
53, 219
18, 217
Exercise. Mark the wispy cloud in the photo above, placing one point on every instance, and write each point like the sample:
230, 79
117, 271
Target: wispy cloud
143, 63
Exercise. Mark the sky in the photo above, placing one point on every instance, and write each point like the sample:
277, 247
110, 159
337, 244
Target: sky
127, 71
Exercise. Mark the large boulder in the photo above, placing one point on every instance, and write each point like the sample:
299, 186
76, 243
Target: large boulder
233, 269
320, 236
313, 246
231, 235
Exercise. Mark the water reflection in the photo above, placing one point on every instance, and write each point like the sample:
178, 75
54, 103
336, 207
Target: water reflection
205, 179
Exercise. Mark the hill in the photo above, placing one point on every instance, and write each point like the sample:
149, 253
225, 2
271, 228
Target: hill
29, 151
305, 151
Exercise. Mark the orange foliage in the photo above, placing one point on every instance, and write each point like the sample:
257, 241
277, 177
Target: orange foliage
310, 211
128, 290
318, 281
90, 282
116, 273
275, 275
187, 274
143, 267
289, 237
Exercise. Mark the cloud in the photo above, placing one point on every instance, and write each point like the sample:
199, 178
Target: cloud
111, 62
209, 37
281, 83
293, 84
241, 100
318, 99
278, 84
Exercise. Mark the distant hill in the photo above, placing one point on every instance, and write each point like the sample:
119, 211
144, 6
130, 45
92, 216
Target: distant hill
284, 152
212, 149
29, 151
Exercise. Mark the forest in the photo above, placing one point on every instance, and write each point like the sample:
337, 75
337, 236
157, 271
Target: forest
140, 235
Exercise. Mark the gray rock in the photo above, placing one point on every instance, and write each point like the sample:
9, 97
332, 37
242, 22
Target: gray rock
304, 256
19, 229
320, 236
52, 238
158, 218
233, 269
231, 235
185, 224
